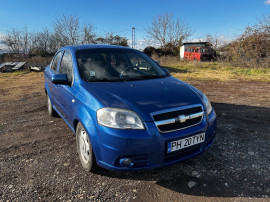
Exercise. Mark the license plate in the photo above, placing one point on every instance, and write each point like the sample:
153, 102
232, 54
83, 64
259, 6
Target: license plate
185, 142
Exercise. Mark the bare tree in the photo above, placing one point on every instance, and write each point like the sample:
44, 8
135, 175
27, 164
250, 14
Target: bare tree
13, 41
25, 38
264, 24
89, 36
212, 40
18, 41
167, 30
112, 39
41, 43
217, 41
67, 30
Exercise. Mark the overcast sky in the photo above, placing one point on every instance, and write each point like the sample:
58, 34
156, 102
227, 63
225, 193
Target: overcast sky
226, 18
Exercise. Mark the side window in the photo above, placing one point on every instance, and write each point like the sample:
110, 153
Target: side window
66, 65
55, 61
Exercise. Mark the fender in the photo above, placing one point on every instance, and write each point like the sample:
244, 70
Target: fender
46, 87
84, 115
47, 91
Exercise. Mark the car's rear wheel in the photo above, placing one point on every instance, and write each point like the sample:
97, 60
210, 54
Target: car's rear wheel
84, 149
51, 111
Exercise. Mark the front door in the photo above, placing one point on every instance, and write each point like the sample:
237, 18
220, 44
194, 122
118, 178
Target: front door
65, 92
49, 73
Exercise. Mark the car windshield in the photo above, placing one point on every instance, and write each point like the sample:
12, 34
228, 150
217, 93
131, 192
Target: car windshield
116, 65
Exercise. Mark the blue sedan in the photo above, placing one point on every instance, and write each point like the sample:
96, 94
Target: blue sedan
128, 113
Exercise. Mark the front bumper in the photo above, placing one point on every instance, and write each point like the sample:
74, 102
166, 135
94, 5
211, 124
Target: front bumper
147, 148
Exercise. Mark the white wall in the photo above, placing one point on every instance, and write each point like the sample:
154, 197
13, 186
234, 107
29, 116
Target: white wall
182, 50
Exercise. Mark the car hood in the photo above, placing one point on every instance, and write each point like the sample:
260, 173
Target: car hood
144, 96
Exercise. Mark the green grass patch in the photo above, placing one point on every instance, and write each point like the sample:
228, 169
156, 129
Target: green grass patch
220, 71
15, 73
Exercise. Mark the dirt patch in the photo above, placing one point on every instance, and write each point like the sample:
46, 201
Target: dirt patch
38, 159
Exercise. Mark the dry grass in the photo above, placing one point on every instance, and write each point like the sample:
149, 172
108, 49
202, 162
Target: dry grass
214, 71
9, 84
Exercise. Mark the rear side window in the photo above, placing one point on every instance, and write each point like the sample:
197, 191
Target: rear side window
66, 65
55, 61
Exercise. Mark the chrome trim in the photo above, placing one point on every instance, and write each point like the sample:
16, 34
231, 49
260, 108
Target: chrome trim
196, 115
176, 109
181, 118
165, 122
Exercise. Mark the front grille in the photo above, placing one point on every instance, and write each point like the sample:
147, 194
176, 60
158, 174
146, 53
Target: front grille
178, 118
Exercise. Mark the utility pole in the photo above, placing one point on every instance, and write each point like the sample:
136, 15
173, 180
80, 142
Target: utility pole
133, 38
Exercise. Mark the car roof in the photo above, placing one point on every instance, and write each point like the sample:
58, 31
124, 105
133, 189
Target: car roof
94, 46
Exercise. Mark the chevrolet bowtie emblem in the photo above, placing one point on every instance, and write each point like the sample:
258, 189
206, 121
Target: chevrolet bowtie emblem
183, 118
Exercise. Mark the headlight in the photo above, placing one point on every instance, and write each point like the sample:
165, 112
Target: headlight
207, 104
119, 118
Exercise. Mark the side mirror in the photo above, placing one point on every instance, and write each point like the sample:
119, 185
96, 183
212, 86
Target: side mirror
167, 71
157, 61
60, 79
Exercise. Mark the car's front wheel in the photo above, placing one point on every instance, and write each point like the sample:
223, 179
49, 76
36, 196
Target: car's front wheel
84, 149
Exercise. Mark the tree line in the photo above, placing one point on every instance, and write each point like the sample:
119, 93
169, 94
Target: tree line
65, 30
251, 47
68, 30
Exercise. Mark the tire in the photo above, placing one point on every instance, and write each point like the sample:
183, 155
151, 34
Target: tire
84, 149
51, 111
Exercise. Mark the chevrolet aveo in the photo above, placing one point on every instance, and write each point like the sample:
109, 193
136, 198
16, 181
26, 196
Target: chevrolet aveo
127, 112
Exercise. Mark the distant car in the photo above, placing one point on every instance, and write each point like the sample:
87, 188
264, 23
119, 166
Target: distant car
199, 53
128, 113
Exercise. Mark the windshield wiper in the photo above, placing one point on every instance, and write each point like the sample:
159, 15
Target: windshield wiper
101, 80
150, 76
142, 77
112, 79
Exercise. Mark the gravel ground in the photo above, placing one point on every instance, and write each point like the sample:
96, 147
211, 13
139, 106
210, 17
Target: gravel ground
38, 159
